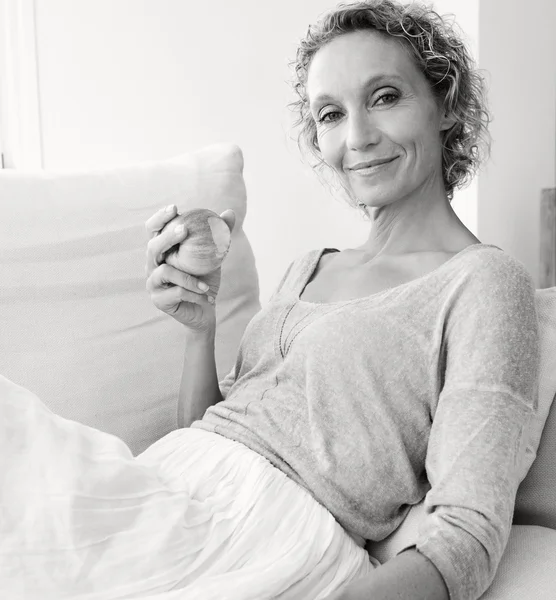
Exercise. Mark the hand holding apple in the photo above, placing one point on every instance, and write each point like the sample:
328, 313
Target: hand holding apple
206, 245
176, 261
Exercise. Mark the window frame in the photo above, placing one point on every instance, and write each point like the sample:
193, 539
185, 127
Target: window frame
20, 122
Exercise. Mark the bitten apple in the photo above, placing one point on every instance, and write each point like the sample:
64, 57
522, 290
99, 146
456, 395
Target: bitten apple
206, 245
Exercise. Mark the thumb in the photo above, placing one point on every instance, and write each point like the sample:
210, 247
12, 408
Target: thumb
229, 216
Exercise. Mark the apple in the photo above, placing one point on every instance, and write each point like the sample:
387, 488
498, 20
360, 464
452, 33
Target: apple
206, 245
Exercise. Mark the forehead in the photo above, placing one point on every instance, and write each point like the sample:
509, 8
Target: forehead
350, 60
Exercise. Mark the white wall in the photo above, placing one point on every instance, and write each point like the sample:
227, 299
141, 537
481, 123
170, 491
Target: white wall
130, 80
144, 79
518, 48
465, 13
20, 129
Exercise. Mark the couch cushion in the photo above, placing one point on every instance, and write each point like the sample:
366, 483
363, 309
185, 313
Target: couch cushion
526, 571
78, 326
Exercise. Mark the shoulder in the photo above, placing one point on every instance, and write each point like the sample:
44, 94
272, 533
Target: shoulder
298, 267
490, 285
306, 261
301, 263
494, 270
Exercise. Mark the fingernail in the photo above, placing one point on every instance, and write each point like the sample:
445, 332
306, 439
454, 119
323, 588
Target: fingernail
170, 208
210, 299
179, 229
202, 286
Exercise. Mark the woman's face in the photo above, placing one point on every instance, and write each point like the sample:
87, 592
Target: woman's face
370, 102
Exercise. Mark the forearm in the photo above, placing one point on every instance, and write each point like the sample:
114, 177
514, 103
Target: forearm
407, 576
199, 384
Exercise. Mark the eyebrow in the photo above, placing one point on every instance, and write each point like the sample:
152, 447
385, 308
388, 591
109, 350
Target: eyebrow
319, 98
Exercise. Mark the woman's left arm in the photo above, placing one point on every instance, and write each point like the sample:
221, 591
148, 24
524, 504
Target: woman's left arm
488, 394
407, 576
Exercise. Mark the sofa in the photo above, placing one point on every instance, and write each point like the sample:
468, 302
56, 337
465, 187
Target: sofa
79, 329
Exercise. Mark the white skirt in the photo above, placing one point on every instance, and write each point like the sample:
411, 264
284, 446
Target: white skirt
195, 516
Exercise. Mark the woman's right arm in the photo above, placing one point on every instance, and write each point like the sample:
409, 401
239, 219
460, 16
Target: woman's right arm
199, 383
177, 294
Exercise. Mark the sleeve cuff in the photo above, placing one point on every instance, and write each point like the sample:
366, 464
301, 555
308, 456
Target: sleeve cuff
463, 571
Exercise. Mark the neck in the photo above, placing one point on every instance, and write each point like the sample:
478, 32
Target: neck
417, 223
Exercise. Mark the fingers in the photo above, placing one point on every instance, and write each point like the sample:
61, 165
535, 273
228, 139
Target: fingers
169, 287
156, 223
168, 300
159, 245
162, 238
165, 276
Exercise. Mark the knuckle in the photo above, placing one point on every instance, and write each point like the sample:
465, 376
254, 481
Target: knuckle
192, 299
189, 280
168, 274
185, 294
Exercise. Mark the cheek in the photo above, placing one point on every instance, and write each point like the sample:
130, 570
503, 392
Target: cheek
331, 147
419, 145
413, 128
406, 133
427, 135
428, 146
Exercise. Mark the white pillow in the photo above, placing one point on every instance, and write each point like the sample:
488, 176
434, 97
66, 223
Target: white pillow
78, 326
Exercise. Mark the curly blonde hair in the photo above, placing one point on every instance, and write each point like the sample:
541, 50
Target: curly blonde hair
441, 55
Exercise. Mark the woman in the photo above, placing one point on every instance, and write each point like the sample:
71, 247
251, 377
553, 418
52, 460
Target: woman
376, 376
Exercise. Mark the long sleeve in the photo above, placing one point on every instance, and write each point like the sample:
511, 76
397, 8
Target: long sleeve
487, 394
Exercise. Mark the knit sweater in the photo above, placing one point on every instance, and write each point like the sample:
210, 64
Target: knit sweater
424, 389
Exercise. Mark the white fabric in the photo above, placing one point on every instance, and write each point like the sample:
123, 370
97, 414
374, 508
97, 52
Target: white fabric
77, 325
195, 517
526, 571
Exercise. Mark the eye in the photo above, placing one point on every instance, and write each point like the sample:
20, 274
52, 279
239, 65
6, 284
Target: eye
388, 98
328, 117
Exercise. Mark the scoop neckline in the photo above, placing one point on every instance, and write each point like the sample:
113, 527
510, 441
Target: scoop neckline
401, 286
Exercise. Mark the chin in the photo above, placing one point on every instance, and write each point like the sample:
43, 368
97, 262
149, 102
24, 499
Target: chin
382, 193
377, 199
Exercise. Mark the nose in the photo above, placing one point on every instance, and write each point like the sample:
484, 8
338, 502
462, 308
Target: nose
361, 131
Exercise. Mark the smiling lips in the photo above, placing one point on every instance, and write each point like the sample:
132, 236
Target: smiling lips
370, 166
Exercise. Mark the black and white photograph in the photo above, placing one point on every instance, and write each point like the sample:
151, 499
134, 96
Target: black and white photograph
277, 300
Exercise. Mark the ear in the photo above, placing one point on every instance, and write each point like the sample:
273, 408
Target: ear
447, 121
